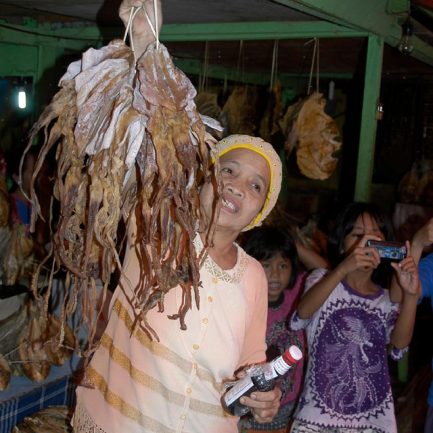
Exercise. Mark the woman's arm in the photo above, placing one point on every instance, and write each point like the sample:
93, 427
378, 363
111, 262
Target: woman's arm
141, 32
421, 239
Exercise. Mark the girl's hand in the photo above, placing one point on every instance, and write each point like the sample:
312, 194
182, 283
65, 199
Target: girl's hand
360, 257
407, 274
264, 405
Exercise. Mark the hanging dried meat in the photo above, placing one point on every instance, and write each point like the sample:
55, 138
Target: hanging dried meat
127, 136
207, 104
269, 125
314, 134
240, 109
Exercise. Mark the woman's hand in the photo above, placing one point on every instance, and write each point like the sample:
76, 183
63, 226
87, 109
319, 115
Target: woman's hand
264, 405
141, 32
407, 274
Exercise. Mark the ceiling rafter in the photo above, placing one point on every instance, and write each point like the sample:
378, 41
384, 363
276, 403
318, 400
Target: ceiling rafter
369, 15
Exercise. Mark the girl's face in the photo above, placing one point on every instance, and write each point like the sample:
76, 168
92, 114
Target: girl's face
364, 225
245, 176
278, 271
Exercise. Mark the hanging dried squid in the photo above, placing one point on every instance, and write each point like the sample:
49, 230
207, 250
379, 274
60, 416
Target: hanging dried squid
127, 136
314, 134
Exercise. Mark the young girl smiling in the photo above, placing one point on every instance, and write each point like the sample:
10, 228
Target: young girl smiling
350, 320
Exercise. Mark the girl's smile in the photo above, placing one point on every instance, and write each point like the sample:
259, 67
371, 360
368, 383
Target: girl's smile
278, 271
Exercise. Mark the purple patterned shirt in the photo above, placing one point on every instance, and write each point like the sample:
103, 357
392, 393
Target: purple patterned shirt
347, 381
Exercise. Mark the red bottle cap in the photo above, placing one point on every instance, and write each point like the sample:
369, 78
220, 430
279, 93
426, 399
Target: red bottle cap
292, 355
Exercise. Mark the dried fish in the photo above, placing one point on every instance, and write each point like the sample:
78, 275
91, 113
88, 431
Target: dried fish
269, 125
127, 136
240, 109
55, 419
315, 135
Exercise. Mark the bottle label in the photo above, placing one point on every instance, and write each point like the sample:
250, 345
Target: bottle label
280, 367
241, 387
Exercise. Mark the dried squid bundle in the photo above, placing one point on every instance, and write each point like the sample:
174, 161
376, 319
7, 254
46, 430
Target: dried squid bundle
314, 134
240, 109
176, 157
35, 363
269, 121
207, 104
54, 419
127, 136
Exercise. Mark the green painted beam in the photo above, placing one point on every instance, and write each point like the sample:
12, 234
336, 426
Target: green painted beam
369, 16
367, 139
20, 62
256, 31
77, 37
397, 6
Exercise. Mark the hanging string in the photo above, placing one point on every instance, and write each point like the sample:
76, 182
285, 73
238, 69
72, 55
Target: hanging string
203, 78
155, 8
313, 60
154, 29
240, 55
128, 30
317, 65
274, 67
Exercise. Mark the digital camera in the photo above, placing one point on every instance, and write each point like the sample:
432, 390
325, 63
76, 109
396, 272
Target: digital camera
390, 251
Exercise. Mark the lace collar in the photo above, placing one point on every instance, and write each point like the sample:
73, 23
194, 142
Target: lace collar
233, 275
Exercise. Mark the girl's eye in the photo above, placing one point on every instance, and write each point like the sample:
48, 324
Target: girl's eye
265, 265
257, 187
284, 266
226, 170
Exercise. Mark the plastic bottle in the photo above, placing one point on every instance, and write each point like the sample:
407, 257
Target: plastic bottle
259, 377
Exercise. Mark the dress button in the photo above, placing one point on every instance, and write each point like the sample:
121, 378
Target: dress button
215, 280
188, 390
205, 321
195, 346
194, 366
209, 298
183, 417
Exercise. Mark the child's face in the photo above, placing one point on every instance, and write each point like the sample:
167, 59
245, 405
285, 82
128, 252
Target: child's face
364, 225
278, 271
246, 177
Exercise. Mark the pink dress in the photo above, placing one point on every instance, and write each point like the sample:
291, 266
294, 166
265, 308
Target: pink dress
138, 385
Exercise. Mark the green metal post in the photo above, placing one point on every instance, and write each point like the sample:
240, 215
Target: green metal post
373, 72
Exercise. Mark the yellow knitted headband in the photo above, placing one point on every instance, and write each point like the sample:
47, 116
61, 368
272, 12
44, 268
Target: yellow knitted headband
266, 151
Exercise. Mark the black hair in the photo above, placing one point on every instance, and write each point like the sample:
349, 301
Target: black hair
344, 224
264, 242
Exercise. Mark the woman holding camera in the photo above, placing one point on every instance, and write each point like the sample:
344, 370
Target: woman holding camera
350, 320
